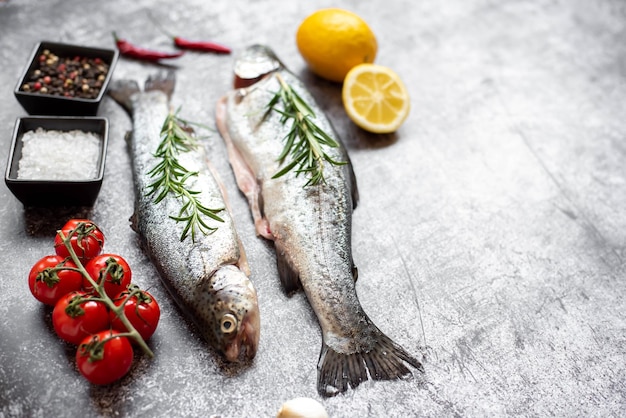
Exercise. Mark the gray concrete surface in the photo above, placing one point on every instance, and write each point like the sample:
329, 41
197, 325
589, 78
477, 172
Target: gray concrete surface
490, 238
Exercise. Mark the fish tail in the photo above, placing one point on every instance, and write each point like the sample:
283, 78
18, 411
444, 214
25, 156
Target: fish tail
122, 90
385, 360
164, 82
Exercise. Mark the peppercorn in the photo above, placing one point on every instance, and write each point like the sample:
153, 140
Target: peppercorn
67, 76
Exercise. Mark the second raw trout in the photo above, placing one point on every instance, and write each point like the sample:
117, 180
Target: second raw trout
307, 212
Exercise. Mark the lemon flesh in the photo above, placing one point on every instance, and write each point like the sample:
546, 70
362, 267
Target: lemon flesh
375, 98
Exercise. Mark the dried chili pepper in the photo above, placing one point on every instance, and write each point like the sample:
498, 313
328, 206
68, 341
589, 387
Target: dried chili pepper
182, 43
129, 50
204, 46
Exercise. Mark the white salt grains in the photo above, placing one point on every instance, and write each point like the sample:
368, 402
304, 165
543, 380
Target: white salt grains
59, 155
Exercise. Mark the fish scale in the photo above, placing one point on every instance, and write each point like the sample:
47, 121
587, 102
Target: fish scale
310, 225
207, 277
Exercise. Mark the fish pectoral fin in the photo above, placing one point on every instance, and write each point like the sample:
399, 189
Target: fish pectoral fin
289, 275
242, 263
383, 360
128, 137
133, 222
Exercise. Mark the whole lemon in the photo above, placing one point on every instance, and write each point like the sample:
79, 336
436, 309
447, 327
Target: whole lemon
332, 41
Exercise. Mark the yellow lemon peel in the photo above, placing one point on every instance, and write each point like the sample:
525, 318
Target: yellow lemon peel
333, 41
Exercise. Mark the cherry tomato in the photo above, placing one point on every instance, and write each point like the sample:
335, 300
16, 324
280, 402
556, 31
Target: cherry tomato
87, 240
49, 279
75, 317
115, 271
142, 310
104, 357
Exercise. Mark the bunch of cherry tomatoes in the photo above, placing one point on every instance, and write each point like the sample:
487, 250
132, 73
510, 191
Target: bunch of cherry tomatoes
96, 307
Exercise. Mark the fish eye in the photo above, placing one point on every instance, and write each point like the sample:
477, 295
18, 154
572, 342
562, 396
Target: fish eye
228, 324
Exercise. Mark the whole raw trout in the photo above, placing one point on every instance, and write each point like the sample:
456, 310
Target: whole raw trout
309, 224
206, 276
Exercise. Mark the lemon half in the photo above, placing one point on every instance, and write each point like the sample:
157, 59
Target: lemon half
375, 98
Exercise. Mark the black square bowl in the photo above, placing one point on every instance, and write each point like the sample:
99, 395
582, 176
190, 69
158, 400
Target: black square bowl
38, 103
43, 192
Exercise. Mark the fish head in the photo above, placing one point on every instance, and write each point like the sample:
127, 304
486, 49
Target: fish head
253, 63
234, 316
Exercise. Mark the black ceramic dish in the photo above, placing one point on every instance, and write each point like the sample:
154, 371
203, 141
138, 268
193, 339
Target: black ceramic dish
36, 103
56, 192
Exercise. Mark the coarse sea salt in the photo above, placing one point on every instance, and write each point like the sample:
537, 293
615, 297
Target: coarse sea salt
59, 155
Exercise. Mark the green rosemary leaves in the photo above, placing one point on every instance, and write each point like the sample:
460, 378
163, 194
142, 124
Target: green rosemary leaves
170, 177
305, 141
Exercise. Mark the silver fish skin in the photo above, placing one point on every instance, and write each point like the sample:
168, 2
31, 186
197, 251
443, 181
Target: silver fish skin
207, 277
310, 226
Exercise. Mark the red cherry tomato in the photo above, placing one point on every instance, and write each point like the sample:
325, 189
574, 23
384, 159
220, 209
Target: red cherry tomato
75, 317
50, 279
104, 357
87, 240
113, 269
142, 310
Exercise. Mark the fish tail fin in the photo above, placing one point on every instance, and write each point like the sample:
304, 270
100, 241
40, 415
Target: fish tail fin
121, 91
384, 360
164, 82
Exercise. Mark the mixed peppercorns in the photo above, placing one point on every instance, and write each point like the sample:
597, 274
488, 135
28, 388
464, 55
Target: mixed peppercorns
79, 77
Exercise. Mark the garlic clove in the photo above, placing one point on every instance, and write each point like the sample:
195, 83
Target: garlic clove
302, 408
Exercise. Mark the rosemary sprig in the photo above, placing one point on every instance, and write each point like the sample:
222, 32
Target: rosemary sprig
170, 177
305, 140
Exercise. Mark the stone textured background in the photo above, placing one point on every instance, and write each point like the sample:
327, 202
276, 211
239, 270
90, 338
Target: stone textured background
490, 237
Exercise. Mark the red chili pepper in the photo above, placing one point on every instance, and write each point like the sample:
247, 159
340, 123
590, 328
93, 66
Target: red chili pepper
182, 43
203, 46
129, 50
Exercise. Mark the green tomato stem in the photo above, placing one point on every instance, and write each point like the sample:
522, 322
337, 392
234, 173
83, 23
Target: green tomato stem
104, 298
